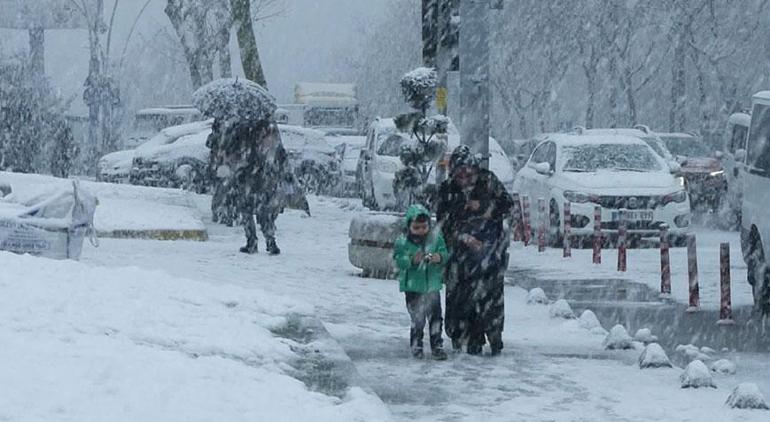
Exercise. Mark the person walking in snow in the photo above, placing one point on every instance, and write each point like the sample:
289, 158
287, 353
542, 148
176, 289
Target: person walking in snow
420, 256
470, 208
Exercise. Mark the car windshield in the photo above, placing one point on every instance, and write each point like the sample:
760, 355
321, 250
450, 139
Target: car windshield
614, 157
391, 145
686, 146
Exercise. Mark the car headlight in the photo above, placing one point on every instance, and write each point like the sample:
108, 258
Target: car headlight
578, 197
677, 197
387, 166
717, 173
680, 181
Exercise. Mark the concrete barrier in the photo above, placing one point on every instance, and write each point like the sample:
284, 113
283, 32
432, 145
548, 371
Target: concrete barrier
371, 243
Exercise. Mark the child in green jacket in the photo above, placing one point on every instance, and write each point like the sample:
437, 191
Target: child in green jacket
420, 256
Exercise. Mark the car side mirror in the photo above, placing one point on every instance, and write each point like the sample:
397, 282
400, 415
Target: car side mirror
543, 168
674, 167
340, 150
740, 155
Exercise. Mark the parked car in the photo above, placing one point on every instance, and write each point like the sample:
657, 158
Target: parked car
733, 156
615, 172
350, 147
182, 161
149, 121
379, 161
116, 167
640, 131
701, 168
755, 222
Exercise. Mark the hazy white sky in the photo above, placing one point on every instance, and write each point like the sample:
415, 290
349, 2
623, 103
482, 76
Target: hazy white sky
301, 45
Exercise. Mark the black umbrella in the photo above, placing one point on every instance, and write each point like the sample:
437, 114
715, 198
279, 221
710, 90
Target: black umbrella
235, 99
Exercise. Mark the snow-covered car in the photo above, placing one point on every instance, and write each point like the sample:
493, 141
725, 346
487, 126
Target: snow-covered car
640, 131
702, 171
733, 157
614, 172
755, 210
149, 121
183, 162
117, 166
379, 162
350, 147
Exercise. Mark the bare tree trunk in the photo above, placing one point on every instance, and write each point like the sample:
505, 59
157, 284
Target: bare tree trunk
590, 73
225, 59
628, 88
247, 41
677, 119
614, 98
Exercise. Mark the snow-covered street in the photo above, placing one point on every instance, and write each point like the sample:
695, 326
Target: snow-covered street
551, 369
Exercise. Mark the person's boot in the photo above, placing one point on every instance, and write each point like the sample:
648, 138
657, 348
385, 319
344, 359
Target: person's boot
438, 354
418, 353
496, 344
272, 247
457, 345
251, 247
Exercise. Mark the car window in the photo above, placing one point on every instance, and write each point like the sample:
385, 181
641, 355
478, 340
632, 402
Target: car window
550, 155
759, 138
686, 146
738, 138
613, 157
540, 154
391, 146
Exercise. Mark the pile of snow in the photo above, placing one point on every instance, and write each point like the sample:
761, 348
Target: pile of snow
590, 322
537, 296
654, 356
561, 309
692, 353
618, 339
747, 396
697, 375
723, 367
82, 342
644, 335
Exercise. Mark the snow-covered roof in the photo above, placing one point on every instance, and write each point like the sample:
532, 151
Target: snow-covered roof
741, 119
762, 97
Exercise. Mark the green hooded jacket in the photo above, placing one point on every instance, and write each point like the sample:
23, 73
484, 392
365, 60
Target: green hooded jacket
423, 277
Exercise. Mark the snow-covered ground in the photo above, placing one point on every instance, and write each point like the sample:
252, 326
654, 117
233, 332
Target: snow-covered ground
644, 267
117, 336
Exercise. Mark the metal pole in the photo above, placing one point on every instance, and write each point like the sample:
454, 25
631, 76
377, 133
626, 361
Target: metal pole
665, 264
725, 305
567, 229
474, 76
692, 272
597, 252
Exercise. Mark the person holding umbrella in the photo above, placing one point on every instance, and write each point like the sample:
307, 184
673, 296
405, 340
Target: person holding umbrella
252, 165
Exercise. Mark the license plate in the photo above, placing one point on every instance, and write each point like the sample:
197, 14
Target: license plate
632, 215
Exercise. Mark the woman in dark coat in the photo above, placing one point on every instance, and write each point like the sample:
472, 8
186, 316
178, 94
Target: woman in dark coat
471, 207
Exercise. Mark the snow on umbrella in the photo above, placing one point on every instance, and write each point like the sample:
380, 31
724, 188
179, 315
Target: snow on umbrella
235, 98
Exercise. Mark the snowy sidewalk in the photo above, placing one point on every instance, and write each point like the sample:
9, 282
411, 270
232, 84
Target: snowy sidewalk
550, 369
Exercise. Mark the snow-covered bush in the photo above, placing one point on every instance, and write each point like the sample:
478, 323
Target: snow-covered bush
537, 296
561, 309
697, 375
724, 367
419, 87
654, 356
644, 335
747, 396
618, 339
692, 353
589, 321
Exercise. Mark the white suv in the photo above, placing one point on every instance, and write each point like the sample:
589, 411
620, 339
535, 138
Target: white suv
615, 172
755, 222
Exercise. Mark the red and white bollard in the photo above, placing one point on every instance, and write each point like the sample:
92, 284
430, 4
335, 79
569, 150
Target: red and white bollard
597, 255
526, 220
541, 227
692, 272
622, 263
726, 307
567, 229
665, 264
518, 224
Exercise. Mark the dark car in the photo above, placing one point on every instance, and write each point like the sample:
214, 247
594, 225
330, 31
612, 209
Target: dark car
703, 173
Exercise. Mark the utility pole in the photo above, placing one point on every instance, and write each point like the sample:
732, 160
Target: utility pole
474, 75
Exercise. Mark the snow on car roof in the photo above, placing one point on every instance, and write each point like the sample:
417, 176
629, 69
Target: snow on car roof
169, 110
762, 97
588, 139
742, 119
617, 131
